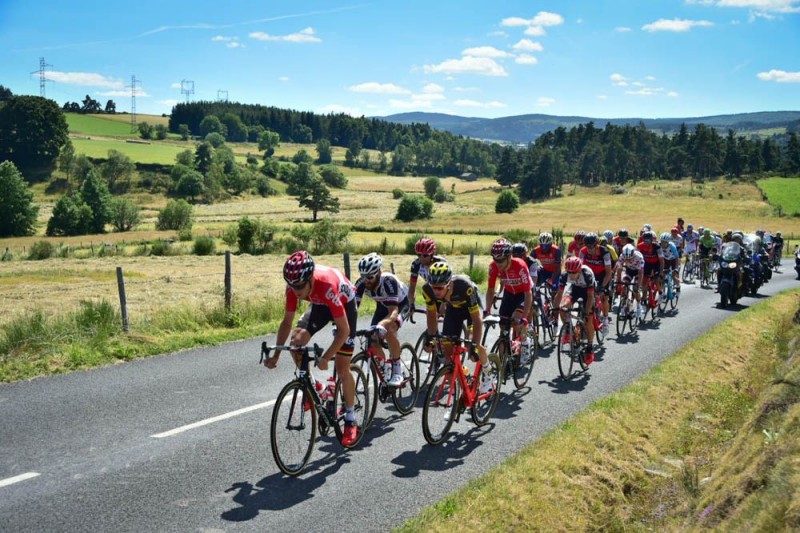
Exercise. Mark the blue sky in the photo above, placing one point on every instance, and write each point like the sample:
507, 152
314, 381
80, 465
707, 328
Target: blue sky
603, 59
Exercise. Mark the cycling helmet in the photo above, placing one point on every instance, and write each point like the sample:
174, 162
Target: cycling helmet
439, 273
298, 268
666, 237
590, 239
777, 233
689, 227
627, 251
579, 235
603, 241
545, 238
608, 234
647, 227
676, 229
425, 246
707, 232
737, 236
370, 264
647, 236
623, 233
501, 248
519, 249
573, 264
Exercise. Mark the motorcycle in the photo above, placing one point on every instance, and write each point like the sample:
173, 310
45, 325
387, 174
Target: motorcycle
756, 273
729, 286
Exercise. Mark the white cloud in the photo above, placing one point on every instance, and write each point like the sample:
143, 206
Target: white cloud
676, 25
139, 92
650, 78
646, 91
433, 88
427, 97
88, 79
536, 25
672, 94
374, 87
466, 89
526, 45
638, 84
602, 97
234, 44
535, 31
224, 38
494, 104
515, 21
545, 18
283, 78
774, 6
483, 66
622, 29
338, 108
545, 101
780, 76
174, 85
499, 33
619, 80
485, 51
526, 59
303, 36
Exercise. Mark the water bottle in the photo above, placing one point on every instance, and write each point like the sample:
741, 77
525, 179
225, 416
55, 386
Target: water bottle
330, 389
515, 346
387, 370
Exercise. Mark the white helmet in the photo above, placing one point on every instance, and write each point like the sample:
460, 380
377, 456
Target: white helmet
370, 264
666, 237
627, 252
609, 235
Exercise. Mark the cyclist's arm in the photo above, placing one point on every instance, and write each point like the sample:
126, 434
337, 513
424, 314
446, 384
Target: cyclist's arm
412, 291
283, 333
342, 333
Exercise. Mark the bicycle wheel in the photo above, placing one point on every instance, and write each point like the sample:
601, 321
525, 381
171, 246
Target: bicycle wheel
361, 406
441, 403
662, 297
688, 272
599, 334
521, 372
374, 382
404, 396
485, 404
567, 351
293, 430
427, 363
622, 315
673, 302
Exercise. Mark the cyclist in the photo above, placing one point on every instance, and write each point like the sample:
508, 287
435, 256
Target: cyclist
332, 298
653, 256
676, 236
575, 245
690, 238
459, 294
391, 296
517, 301
598, 259
607, 240
645, 228
577, 282
621, 240
777, 248
549, 256
672, 260
425, 249
679, 225
631, 265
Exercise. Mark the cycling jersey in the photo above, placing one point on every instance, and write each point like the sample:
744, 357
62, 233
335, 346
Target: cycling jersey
516, 278
330, 289
533, 270
597, 260
574, 248
690, 239
650, 251
677, 240
420, 270
389, 292
636, 262
614, 254
584, 280
670, 252
549, 258
464, 295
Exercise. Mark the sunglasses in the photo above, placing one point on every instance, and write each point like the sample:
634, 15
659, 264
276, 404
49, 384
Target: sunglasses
500, 259
298, 286
424, 255
371, 277
438, 288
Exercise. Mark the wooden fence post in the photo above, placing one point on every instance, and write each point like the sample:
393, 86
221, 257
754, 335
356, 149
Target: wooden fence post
227, 281
347, 264
471, 259
123, 302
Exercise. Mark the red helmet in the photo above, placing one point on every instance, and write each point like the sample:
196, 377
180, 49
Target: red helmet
298, 268
573, 264
579, 235
501, 248
425, 246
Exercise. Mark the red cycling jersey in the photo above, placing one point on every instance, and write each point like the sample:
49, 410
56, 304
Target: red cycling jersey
330, 289
515, 279
573, 248
550, 259
596, 260
651, 252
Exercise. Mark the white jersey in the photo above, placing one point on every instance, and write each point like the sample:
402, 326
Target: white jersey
636, 262
677, 240
690, 239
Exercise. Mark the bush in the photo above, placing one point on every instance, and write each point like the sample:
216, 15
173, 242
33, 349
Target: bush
507, 202
264, 187
618, 189
398, 193
477, 273
333, 176
160, 248
185, 235
215, 139
177, 215
441, 196
254, 236
204, 245
41, 250
230, 235
414, 207
410, 242
521, 235
432, 185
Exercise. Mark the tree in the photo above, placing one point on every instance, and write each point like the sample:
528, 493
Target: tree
90, 105
184, 132
302, 134
145, 130
117, 171
5, 94
299, 178
203, 156
317, 197
176, 215
160, 132
18, 215
32, 132
431, 184
414, 207
95, 195
124, 214
212, 124
191, 185
215, 139
324, 151
507, 202
111, 107
301, 157
333, 176
71, 216
66, 159
236, 129
508, 169
793, 154
268, 141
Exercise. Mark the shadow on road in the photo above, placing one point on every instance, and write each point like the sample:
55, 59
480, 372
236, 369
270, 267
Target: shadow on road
449, 454
562, 386
510, 401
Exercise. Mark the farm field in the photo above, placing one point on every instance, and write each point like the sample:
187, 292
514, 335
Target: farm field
783, 193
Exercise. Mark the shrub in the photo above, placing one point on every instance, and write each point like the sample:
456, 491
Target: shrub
41, 250
185, 235
97, 319
410, 242
432, 185
414, 207
264, 187
618, 189
176, 215
507, 202
160, 248
398, 193
254, 236
477, 273
204, 245
333, 176
520, 235
230, 235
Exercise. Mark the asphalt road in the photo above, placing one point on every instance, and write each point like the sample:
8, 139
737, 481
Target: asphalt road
180, 442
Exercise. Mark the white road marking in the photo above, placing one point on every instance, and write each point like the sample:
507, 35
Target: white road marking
17, 479
211, 420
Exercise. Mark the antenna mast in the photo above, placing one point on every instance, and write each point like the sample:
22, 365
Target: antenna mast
42, 77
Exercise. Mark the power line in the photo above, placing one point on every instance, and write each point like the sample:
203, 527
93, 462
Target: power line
42, 77
134, 81
187, 88
220, 92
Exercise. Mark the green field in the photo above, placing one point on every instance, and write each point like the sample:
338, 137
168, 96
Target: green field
98, 125
155, 152
783, 193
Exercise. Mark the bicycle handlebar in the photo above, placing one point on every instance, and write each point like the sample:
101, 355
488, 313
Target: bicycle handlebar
316, 349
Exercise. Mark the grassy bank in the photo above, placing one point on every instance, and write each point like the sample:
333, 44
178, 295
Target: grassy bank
709, 438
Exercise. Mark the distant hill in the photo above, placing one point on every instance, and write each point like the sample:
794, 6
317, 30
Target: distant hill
525, 128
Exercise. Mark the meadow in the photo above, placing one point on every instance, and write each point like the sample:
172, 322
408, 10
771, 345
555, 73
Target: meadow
783, 193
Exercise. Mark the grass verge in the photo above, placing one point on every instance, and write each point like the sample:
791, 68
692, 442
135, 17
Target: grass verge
708, 438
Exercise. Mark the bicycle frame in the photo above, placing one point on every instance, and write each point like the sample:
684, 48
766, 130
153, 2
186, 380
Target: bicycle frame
469, 388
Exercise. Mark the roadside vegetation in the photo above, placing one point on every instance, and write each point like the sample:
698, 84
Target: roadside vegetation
782, 194
709, 439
